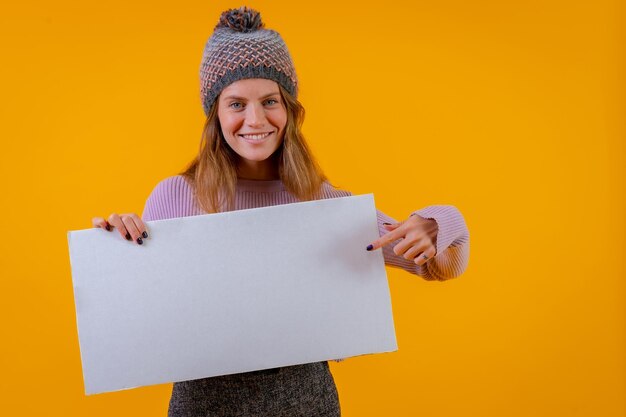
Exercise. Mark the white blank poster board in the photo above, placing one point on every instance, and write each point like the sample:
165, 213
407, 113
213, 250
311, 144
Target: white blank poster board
230, 292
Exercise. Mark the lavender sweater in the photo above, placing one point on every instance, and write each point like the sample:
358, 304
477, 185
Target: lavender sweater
173, 197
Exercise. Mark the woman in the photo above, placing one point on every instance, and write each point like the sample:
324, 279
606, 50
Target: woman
253, 154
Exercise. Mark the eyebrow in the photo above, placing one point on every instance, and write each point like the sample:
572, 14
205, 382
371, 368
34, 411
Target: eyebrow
243, 98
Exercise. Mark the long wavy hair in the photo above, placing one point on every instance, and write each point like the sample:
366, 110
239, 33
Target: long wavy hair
213, 172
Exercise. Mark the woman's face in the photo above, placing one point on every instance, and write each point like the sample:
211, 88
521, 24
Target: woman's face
252, 116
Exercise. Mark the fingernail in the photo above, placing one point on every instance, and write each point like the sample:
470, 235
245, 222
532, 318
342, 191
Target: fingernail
127, 236
108, 228
145, 235
369, 247
139, 241
387, 224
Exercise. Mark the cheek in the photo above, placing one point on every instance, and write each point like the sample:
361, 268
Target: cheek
229, 124
228, 134
281, 121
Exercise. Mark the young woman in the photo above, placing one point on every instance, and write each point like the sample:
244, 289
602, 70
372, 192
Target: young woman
253, 154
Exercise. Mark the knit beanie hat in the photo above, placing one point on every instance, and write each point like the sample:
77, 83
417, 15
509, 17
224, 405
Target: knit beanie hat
240, 47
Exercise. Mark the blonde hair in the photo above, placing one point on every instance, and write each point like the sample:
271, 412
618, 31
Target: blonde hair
213, 172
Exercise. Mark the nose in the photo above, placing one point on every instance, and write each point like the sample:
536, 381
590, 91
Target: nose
255, 115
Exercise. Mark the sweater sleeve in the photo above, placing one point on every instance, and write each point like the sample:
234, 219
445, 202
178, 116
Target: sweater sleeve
452, 245
170, 198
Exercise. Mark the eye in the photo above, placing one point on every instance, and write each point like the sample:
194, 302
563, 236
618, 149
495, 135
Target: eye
271, 101
236, 105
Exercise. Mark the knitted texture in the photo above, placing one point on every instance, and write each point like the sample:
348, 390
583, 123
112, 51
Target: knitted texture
241, 48
292, 391
173, 197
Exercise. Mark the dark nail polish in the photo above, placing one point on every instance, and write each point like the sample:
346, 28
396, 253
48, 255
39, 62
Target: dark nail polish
139, 241
144, 234
369, 247
127, 236
108, 227
387, 224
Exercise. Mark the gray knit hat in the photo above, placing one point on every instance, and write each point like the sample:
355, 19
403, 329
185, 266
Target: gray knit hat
241, 48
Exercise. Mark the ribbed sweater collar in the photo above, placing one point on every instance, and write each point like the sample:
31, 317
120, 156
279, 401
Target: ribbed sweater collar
260, 185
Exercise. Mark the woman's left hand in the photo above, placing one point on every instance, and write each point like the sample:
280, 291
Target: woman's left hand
419, 237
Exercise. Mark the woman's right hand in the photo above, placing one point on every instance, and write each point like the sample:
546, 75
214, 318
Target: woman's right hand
129, 225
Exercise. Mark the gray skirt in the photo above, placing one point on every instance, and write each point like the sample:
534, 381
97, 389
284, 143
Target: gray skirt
294, 391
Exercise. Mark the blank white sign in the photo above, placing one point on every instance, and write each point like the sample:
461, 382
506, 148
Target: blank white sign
230, 292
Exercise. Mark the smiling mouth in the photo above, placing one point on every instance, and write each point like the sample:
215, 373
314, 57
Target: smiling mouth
257, 136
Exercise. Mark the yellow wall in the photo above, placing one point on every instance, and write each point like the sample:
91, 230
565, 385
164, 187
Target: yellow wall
511, 111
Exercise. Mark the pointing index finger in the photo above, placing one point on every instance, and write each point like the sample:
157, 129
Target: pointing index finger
385, 239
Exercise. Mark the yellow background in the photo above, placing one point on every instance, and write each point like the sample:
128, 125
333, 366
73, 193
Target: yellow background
510, 111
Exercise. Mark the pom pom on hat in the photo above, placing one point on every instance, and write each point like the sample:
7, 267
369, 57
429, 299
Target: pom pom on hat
242, 20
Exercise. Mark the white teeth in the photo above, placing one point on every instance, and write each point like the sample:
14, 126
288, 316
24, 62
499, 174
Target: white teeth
256, 137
